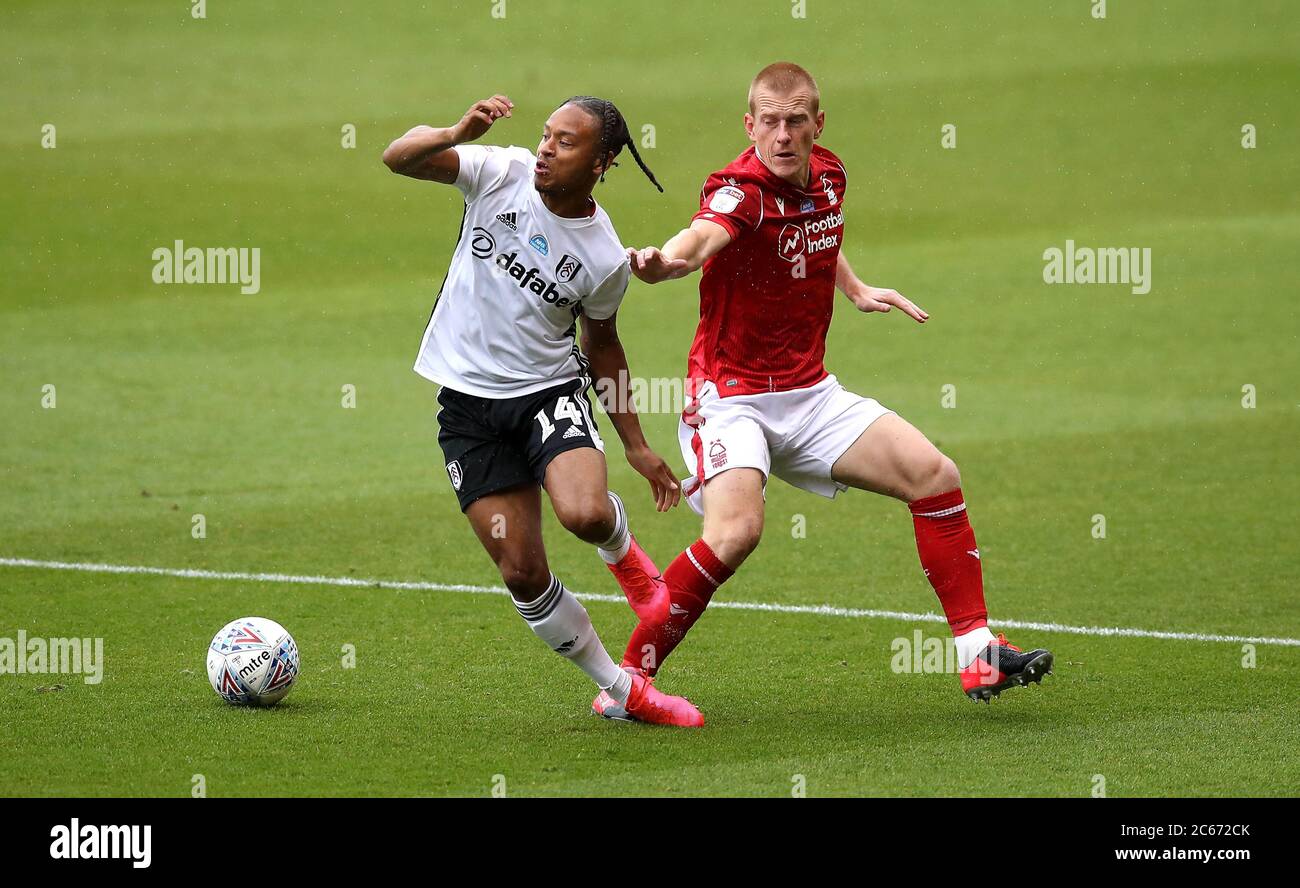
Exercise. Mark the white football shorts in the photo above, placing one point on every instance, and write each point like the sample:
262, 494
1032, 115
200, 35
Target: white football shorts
796, 435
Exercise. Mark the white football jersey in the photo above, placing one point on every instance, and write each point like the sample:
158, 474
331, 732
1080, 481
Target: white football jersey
505, 321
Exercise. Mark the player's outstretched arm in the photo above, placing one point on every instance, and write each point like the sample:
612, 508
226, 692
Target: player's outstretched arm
423, 152
604, 351
868, 298
689, 249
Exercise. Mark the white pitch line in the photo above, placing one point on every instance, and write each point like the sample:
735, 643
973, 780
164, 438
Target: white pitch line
821, 610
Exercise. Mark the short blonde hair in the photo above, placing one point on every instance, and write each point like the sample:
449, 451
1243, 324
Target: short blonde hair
783, 77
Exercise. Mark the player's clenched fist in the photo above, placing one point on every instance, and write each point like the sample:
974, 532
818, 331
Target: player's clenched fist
480, 117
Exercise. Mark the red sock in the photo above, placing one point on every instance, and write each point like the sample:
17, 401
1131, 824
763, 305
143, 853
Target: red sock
692, 579
951, 559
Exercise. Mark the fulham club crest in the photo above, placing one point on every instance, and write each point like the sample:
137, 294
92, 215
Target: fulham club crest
453, 472
568, 266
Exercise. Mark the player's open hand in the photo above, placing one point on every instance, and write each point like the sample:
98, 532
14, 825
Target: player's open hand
649, 264
480, 117
877, 299
663, 483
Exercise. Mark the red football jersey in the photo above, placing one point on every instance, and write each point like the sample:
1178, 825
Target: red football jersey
766, 298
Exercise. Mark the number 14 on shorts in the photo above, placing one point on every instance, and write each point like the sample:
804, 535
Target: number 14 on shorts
564, 409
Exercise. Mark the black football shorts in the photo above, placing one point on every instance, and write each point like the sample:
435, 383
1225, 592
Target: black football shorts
491, 444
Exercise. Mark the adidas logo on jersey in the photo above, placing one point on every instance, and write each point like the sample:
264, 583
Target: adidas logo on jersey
509, 220
573, 432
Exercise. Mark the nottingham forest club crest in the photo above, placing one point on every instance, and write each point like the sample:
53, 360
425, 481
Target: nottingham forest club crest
568, 266
718, 454
830, 191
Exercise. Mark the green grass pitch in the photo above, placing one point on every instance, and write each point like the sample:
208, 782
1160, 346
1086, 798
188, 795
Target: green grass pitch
1071, 401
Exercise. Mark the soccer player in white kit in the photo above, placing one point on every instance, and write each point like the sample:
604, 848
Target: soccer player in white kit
535, 255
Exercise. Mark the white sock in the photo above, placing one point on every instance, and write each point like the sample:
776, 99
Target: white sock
561, 621
615, 549
621, 689
970, 645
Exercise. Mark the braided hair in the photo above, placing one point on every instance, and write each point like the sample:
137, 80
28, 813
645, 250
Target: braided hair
614, 134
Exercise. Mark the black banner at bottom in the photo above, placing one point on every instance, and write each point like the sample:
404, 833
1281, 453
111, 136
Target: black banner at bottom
141, 836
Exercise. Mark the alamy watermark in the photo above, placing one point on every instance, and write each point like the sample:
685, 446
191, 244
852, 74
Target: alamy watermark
39, 656
922, 654
77, 841
179, 264
1099, 265
654, 394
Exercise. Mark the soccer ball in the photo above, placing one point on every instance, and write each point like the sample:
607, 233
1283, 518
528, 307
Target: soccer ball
252, 662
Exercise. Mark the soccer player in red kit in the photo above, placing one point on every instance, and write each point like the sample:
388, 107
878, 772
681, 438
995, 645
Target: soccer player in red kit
768, 236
